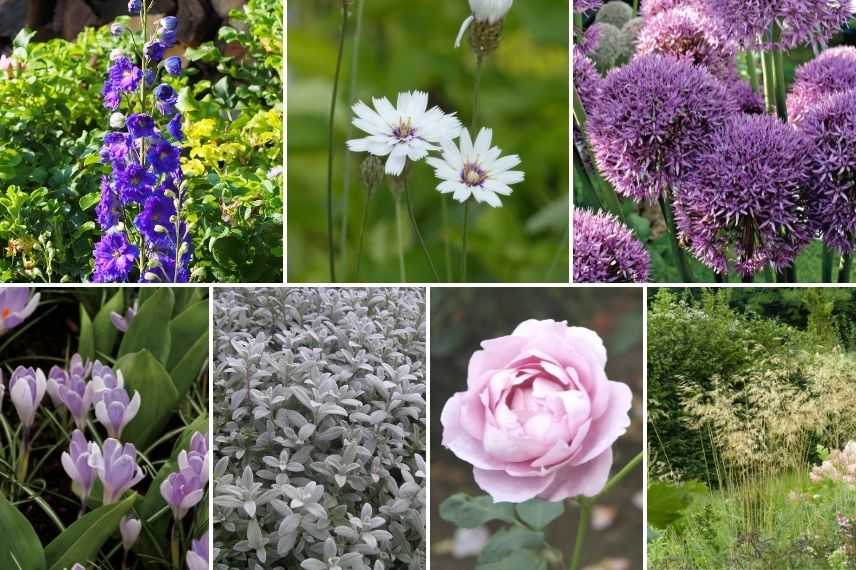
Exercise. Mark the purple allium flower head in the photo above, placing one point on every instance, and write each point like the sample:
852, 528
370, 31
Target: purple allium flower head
651, 8
76, 462
15, 306
135, 7
123, 322
832, 72
605, 251
154, 51
182, 491
124, 75
134, 183
745, 201
27, 387
169, 23
117, 468
116, 148
114, 410
688, 33
164, 157
129, 528
746, 99
109, 208
831, 130
586, 78
650, 120
115, 257
589, 41
801, 21
197, 556
174, 127
141, 125
586, 5
173, 65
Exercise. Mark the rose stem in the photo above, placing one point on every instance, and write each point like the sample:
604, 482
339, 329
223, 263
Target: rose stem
330, 134
582, 528
622, 473
418, 233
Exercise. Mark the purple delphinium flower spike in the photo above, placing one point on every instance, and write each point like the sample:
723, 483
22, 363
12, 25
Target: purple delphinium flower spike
117, 469
15, 306
830, 73
115, 257
27, 387
745, 201
182, 491
129, 528
114, 410
644, 154
76, 462
122, 323
197, 556
605, 251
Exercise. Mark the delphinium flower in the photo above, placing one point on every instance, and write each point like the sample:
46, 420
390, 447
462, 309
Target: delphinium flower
831, 130
77, 464
117, 468
15, 306
140, 211
197, 556
407, 131
184, 489
745, 200
605, 251
476, 170
801, 21
485, 24
832, 72
650, 120
581, 6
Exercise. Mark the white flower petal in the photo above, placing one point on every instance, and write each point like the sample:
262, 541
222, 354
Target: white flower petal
464, 26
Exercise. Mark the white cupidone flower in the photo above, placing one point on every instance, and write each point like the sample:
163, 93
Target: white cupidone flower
490, 11
408, 130
476, 170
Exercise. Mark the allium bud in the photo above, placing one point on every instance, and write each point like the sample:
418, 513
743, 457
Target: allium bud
117, 121
129, 528
615, 12
371, 171
117, 469
26, 389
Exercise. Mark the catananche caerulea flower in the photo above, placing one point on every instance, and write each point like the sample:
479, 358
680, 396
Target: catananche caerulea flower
650, 120
197, 556
117, 468
745, 200
115, 257
832, 72
605, 251
77, 464
26, 389
16, 305
830, 127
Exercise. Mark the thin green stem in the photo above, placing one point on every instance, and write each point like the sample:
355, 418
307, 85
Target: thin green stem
581, 174
680, 258
606, 192
622, 473
24, 457
464, 242
419, 233
826, 265
476, 91
563, 245
476, 94
846, 266
769, 82
751, 69
582, 529
447, 246
366, 211
400, 231
174, 550
330, 145
779, 69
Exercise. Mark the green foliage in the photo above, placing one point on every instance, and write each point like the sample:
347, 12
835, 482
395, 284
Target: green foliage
471, 512
667, 502
538, 514
20, 547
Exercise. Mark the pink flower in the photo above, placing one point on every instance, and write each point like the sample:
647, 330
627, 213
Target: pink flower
539, 416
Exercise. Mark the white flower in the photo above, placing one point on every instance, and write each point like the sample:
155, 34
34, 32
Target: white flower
490, 11
476, 170
26, 390
407, 130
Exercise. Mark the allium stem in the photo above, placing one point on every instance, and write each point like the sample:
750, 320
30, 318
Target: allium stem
678, 252
581, 174
751, 69
419, 233
330, 147
604, 189
400, 231
844, 272
582, 528
826, 266
779, 68
769, 82
366, 210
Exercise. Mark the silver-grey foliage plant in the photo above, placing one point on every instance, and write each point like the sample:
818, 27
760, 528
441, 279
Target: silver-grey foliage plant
319, 411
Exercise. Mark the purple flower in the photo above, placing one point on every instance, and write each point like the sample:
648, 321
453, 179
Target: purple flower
141, 125
117, 468
586, 79
195, 460
169, 23
651, 8
114, 410
124, 75
116, 148
173, 65
163, 267
605, 251
135, 6
166, 99
157, 213
134, 183
832, 72
76, 395
197, 556
182, 491
78, 566
76, 462
650, 120
117, 29
110, 96
109, 208
150, 77
801, 21
167, 37
164, 157
745, 200
26, 389
15, 306
746, 99
154, 51
115, 257
2, 388
831, 130
122, 323
129, 528
586, 5
174, 127
105, 378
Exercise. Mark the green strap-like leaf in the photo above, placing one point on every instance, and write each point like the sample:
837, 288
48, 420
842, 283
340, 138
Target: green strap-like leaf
86, 343
81, 541
187, 370
185, 329
150, 328
19, 545
105, 331
159, 398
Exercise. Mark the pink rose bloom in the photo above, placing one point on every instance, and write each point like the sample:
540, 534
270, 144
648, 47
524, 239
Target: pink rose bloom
539, 416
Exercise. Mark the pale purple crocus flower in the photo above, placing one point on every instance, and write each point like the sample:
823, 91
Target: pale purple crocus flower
195, 460
117, 468
182, 491
114, 409
197, 556
78, 566
129, 528
56, 377
123, 322
15, 306
26, 389
104, 377
75, 380
76, 462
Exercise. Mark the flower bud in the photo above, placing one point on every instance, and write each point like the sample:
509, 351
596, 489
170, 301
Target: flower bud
117, 29
130, 528
169, 22
135, 7
485, 37
117, 121
173, 65
372, 171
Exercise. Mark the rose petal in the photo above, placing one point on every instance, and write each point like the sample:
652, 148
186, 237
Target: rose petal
609, 426
503, 487
587, 479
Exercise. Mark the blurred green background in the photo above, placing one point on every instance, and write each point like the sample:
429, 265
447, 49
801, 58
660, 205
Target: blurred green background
407, 46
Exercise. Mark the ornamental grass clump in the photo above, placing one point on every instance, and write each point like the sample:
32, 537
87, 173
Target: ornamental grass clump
319, 433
